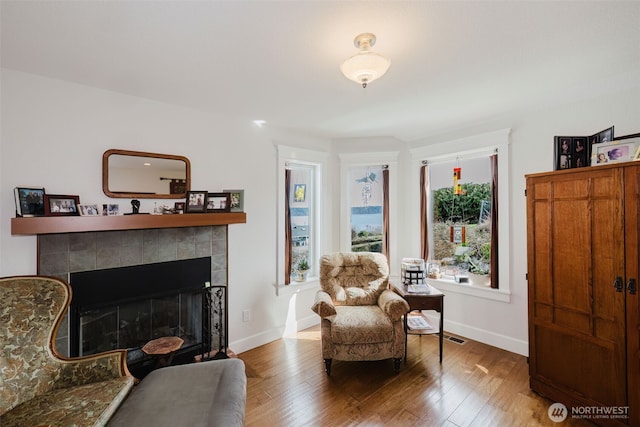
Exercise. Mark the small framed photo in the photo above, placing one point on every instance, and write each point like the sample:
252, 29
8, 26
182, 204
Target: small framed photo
602, 137
111, 209
179, 207
29, 201
613, 152
218, 202
61, 205
237, 200
299, 192
88, 210
196, 202
563, 148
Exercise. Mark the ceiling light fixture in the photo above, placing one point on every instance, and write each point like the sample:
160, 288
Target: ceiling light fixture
365, 66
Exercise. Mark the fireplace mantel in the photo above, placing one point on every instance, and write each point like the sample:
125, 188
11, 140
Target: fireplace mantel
77, 224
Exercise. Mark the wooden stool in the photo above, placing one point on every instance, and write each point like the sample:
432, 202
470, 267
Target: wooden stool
163, 348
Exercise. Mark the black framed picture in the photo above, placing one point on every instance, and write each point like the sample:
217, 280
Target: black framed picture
196, 202
29, 201
218, 202
563, 152
179, 207
61, 205
602, 137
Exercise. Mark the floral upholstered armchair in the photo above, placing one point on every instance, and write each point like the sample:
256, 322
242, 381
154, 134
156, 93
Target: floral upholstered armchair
361, 317
38, 387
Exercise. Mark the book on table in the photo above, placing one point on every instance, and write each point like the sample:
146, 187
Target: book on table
418, 323
421, 288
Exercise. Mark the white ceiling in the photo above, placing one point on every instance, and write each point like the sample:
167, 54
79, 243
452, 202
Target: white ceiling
453, 64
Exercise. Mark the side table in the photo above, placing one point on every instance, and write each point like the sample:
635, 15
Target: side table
163, 348
434, 300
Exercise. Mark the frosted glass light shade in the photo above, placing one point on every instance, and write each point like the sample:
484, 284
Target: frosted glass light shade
365, 67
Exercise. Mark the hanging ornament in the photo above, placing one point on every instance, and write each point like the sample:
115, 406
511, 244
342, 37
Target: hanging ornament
457, 187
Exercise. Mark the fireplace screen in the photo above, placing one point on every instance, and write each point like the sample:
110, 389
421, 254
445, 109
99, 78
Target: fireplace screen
126, 307
133, 324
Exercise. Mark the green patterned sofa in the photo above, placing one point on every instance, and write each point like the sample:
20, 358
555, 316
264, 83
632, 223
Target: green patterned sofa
361, 319
38, 387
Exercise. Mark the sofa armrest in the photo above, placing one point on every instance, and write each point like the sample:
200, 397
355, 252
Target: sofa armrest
93, 368
393, 304
323, 305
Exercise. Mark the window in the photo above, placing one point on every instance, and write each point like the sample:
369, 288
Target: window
460, 219
366, 194
369, 203
479, 157
301, 214
302, 217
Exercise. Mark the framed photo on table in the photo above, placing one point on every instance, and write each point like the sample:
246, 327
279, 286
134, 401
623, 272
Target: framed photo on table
196, 202
29, 201
61, 205
218, 202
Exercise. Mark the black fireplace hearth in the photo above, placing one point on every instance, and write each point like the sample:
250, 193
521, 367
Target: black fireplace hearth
127, 307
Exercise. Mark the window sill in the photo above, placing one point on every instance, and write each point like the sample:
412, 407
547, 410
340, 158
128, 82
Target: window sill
313, 283
476, 291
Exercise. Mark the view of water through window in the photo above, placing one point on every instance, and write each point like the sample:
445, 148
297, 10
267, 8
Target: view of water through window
366, 208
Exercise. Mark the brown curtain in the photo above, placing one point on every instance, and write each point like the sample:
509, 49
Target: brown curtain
288, 251
494, 221
424, 213
385, 212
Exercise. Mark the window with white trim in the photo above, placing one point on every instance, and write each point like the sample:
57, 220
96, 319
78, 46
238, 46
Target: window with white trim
482, 145
301, 214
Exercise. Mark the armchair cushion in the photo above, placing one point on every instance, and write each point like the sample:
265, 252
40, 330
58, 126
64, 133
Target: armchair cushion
364, 324
356, 278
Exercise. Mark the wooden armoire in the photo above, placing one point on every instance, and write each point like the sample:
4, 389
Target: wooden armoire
583, 238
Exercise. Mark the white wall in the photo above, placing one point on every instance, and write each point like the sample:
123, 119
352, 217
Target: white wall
53, 134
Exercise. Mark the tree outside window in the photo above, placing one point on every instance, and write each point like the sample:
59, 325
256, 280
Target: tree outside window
461, 220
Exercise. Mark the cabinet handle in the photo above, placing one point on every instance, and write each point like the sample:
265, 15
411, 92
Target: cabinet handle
618, 284
631, 286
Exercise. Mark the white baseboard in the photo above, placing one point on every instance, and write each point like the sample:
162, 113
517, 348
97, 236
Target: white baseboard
484, 336
481, 335
272, 334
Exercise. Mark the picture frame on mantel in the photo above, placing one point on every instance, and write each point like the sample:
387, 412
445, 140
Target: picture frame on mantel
29, 201
61, 205
237, 200
218, 202
196, 202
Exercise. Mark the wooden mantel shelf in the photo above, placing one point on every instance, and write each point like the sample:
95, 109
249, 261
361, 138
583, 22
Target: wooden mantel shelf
78, 224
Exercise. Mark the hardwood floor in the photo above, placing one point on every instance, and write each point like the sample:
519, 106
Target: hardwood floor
476, 385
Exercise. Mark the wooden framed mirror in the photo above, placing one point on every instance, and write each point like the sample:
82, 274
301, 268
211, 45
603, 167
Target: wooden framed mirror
139, 175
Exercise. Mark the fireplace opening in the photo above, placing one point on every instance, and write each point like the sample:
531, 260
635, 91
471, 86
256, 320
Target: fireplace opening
129, 306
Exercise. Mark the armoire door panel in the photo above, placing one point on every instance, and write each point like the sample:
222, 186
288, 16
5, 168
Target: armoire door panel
585, 367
